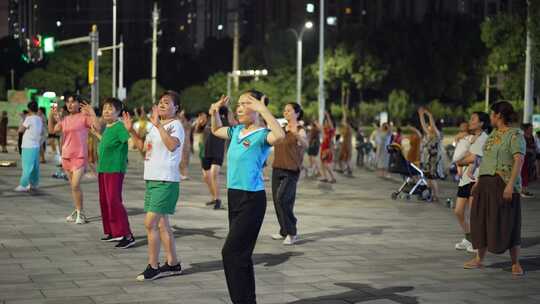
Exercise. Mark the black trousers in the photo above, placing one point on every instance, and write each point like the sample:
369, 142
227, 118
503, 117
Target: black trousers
246, 215
284, 194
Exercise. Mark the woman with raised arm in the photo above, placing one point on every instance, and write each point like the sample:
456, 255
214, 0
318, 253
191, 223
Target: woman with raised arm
249, 147
163, 151
75, 128
431, 151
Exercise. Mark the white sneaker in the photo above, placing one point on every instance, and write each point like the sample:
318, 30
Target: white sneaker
277, 236
470, 249
71, 218
81, 218
463, 245
290, 240
20, 188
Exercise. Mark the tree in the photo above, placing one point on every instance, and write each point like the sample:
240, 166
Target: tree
64, 67
399, 106
505, 37
216, 85
140, 94
344, 71
196, 99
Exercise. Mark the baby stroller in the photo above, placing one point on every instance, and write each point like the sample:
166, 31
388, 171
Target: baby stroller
415, 182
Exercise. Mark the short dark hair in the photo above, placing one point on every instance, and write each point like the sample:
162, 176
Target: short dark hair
174, 96
258, 95
33, 106
526, 125
114, 102
484, 119
506, 110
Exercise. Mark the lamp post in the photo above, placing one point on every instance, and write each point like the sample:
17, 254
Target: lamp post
308, 25
321, 63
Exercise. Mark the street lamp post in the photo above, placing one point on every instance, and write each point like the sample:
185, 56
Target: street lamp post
299, 37
321, 62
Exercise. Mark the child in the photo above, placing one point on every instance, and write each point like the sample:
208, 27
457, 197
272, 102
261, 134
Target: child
31, 128
163, 152
111, 168
462, 142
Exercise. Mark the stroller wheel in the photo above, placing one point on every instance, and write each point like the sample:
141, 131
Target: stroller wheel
426, 195
394, 195
408, 197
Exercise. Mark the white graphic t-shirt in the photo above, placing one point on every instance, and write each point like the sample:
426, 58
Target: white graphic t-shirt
160, 164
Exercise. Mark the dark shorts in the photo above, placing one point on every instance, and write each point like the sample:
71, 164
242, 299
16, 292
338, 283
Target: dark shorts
465, 191
207, 162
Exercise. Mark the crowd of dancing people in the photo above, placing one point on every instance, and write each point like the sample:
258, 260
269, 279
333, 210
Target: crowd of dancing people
493, 164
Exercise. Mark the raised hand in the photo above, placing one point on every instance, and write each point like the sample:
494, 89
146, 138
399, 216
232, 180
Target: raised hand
128, 121
222, 102
88, 110
154, 118
255, 104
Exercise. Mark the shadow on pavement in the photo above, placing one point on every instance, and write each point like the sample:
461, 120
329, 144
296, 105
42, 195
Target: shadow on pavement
339, 232
181, 232
529, 263
264, 259
530, 241
363, 293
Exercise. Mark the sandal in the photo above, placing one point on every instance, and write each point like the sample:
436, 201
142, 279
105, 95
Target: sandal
517, 271
473, 264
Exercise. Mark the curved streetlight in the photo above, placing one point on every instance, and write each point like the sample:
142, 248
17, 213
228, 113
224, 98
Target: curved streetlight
307, 26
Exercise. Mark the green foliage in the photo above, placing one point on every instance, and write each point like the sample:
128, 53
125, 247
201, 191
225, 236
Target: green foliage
399, 106
505, 37
478, 106
196, 99
366, 112
62, 69
216, 85
140, 94
279, 86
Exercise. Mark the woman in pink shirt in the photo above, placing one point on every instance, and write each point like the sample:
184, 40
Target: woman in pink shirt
75, 127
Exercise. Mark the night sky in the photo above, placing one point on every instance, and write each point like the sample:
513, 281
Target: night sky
3, 18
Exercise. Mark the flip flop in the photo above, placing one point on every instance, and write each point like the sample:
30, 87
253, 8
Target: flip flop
473, 265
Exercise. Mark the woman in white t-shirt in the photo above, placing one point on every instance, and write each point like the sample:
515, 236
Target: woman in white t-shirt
163, 152
480, 127
32, 127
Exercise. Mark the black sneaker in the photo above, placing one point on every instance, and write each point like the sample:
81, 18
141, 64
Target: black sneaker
110, 238
217, 205
149, 274
125, 243
210, 203
168, 270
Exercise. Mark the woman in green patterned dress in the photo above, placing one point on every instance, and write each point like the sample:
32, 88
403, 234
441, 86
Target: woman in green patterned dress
496, 208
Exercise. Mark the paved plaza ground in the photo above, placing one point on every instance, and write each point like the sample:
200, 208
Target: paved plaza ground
358, 246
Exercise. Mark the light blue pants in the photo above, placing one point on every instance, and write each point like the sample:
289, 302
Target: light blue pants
30, 167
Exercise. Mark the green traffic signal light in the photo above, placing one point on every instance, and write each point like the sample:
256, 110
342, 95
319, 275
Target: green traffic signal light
48, 44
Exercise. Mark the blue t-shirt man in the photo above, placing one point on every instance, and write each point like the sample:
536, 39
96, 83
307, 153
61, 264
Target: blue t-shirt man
245, 158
